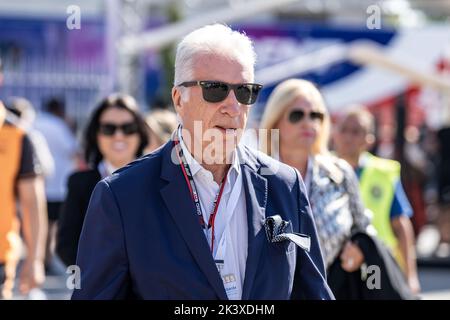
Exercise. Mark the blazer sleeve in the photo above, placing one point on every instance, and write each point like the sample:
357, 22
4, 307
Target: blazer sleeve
70, 222
102, 256
310, 278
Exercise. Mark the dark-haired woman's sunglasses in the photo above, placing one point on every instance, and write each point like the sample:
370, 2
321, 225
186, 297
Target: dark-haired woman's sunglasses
217, 91
297, 115
109, 129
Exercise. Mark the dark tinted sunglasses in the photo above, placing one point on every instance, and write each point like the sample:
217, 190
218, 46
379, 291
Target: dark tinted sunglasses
109, 129
216, 91
297, 115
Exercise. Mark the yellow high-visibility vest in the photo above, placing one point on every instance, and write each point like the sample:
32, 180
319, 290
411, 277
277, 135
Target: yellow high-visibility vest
377, 185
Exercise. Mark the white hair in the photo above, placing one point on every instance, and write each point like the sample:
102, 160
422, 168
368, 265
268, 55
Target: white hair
212, 39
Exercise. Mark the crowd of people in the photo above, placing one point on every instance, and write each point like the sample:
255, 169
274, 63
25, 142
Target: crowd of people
196, 223
48, 178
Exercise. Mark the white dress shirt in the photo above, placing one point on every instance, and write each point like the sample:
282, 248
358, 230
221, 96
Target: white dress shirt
230, 227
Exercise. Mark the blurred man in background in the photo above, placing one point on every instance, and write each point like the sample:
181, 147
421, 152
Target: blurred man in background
381, 189
64, 150
20, 184
26, 116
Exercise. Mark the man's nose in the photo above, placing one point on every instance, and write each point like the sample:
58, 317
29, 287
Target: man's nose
230, 105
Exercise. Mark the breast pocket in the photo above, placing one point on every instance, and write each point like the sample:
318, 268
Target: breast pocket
290, 248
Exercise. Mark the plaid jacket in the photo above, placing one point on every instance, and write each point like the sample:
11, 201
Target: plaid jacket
336, 203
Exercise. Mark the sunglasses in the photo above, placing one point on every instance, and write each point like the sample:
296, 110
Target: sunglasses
109, 129
297, 115
217, 91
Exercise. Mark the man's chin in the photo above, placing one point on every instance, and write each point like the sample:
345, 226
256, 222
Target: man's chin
218, 160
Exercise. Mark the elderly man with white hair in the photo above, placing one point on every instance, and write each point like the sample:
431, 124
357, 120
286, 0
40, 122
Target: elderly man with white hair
203, 217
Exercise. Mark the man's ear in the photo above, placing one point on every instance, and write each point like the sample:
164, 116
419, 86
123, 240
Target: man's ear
176, 99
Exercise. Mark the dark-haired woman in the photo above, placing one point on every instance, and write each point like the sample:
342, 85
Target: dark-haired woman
115, 135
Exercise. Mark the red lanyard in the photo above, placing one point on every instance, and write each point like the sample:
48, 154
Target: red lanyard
194, 194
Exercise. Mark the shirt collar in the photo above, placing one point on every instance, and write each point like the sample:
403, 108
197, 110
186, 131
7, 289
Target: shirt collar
194, 166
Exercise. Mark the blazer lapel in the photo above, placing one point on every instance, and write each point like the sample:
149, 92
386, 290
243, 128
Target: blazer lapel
256, 200
180, 205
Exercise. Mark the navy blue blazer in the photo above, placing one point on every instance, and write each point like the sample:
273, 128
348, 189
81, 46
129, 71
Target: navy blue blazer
141, 237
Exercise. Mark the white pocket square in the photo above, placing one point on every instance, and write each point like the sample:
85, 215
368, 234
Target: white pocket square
276, 232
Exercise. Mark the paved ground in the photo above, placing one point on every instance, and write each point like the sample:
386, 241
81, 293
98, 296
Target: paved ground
435, 284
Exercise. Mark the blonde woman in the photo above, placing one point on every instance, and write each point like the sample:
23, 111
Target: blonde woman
296, 108
162, 123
